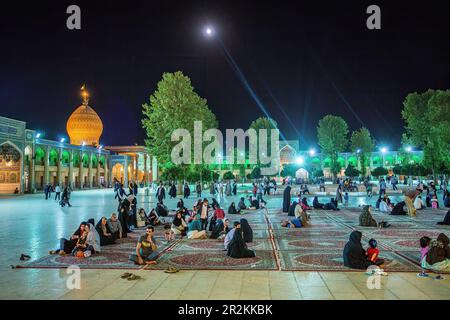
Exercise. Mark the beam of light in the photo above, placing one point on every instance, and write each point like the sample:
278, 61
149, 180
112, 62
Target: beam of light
300, 160
246, 84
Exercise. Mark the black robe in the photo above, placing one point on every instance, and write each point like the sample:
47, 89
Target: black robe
173, 191
291, 212
232, 210
354, 254
398, 209
237, 248
187, 192
317, 204
218, 228
286, 198
247, 232
446, 220
105, 240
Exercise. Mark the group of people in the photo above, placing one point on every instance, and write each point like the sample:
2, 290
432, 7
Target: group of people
63, 197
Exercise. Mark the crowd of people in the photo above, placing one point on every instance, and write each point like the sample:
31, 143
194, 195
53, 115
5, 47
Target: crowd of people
207, 220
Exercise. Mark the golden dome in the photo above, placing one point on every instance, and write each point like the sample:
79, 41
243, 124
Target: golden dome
84, 126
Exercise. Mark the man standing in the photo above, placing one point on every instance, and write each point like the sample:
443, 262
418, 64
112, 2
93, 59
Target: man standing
46, 191
203, 211
57, 193
198, 189
161, 193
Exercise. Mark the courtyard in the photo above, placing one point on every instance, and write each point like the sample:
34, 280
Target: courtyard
294, 264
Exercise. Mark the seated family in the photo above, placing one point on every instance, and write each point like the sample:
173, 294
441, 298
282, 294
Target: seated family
90, 238
435, 255
254, 204
236, 240
301, 217
356, 257
84, 242
332, 205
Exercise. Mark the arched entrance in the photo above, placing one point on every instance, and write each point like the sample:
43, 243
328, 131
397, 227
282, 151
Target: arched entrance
10, 168
302, 174
117, 172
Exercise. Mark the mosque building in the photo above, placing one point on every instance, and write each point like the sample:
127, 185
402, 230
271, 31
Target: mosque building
28, 162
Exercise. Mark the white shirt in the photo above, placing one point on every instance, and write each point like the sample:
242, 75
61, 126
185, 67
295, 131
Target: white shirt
204, 213
418, 203
229, 237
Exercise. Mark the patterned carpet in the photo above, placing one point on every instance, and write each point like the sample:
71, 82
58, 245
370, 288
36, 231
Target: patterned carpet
315, 248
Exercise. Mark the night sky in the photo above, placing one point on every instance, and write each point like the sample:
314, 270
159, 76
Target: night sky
303, 59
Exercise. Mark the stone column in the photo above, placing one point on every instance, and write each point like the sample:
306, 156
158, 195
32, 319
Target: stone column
70, 180
106, 170
136, 172
90, 171
145, 171
80, 170
98, 173
46, 166
32, 174
125, 173
58, 174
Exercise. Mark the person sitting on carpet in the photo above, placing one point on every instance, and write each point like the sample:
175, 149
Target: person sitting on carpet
114, 226
301, 215
317, 204
106, 237
153, 218
146, 249
141, 219
195, 230
304, 204
373, 253
232, 209
66, 246
179, 226
418, 203
332, 205
294, 223
424, 247
366, 219
230, 235
354, 254
438, 256
291, 211
237, 248
446, 220
180, 204
254, 203
220, 229
384, 206
219, 214
398, 209
161, 210
247, 232
241, 205
89, 243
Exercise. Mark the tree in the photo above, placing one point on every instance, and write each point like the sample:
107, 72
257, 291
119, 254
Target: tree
174, 105
255, 174
427, 117
351, 171
332, 134
379, 171
228, 176
362, 144
268, 124
317, 173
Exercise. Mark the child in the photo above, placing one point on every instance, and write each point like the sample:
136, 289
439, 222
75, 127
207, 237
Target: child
346, 199
373, 252
434, 202
424, 247
169, 235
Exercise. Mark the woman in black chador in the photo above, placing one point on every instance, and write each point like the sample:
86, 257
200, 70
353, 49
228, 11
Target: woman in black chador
237, 247
286, 198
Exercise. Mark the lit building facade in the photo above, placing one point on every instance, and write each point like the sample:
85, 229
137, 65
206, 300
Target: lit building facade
29, 162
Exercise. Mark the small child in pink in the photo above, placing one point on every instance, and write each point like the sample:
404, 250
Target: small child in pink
424, 247
434, 202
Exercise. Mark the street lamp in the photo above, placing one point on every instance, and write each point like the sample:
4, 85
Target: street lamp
312, 152
38, 135
383, 151
209, 32
408, 149
300, 160
62, 140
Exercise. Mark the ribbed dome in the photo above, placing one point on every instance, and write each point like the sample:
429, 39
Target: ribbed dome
84, 125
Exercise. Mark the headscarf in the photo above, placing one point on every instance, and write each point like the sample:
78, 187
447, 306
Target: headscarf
439, 250
291, 211
366, 219
218, 228
93, 238
354, 254
195, 224
237, 247
232, 209
177, 221
247, 231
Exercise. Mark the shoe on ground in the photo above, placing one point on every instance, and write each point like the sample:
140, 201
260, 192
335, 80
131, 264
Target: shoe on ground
133, 277
126, 275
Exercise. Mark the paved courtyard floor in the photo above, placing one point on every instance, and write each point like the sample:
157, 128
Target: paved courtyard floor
29, 224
